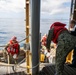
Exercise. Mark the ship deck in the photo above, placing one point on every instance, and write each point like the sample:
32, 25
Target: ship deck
50, 70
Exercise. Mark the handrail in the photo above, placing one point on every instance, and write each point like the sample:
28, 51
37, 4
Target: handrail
25, 38
18, 65
19, 41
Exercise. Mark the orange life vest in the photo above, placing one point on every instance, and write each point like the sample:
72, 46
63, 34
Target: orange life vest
44, 40
13, 48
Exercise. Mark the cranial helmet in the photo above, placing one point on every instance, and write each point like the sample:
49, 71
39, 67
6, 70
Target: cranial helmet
14, 38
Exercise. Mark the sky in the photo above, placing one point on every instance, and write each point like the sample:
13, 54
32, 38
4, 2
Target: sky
50, 9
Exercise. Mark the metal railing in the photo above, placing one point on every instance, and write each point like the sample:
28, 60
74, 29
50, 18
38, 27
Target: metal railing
19, 41
19, 64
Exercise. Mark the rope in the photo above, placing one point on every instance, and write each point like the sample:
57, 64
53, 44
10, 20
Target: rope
26, 67
25, 38
19, 41
3, 46
18, 65
35, 66
21, 61
29, 68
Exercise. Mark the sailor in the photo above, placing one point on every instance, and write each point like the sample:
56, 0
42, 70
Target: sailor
59, 34
73, 27
73, 32
43, 40
13, 48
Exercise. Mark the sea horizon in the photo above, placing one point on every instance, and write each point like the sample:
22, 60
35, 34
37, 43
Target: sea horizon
16, 27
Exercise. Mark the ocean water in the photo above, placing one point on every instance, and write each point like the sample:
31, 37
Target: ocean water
16, 27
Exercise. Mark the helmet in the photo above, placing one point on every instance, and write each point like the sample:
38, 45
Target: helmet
14, 38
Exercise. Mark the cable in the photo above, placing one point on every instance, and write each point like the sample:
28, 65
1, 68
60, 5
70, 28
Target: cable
19, 41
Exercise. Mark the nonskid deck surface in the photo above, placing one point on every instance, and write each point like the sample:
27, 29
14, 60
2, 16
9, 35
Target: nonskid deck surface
50, 70
6, 69
18, 73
